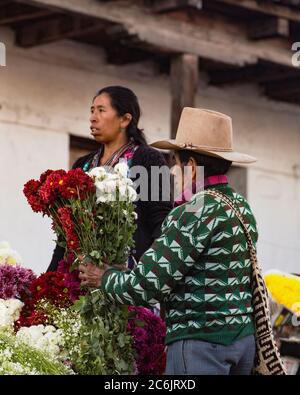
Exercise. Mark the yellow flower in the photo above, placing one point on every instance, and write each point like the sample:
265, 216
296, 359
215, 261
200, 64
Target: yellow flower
285, 290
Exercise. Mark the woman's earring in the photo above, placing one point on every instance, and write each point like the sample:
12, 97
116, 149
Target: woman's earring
122, 130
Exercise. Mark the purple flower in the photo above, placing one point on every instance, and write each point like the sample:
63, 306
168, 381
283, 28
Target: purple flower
14, 281
148, 340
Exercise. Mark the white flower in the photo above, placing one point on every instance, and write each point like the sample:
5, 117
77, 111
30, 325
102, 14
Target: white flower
46, 338
122, 169
9, 311
98, 172
14, 307
8, 256
110, 186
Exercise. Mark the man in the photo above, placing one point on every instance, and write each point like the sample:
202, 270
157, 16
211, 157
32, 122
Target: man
200, 265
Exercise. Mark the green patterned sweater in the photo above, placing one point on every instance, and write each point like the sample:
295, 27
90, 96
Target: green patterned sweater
199, 268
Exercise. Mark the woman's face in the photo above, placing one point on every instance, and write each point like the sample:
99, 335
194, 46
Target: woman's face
106, 124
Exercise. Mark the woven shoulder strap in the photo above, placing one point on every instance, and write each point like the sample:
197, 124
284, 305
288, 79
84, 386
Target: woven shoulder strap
268, 359
237, 212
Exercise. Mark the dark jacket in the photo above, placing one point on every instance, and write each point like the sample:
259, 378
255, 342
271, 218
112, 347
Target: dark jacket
150, 214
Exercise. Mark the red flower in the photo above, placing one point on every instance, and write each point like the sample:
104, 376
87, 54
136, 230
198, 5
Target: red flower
65, 216
52, 187
31, 191
72, 280
51, 286
77, 184
44, 175
30, 317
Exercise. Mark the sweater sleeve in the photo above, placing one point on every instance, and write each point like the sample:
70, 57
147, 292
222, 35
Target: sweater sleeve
161, 267
154, 211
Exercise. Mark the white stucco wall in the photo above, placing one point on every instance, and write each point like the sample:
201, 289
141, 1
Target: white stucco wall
45, 95
25, 153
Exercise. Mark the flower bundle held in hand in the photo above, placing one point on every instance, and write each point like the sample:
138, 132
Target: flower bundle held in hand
93, 215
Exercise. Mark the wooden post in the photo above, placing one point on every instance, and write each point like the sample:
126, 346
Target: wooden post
184, 82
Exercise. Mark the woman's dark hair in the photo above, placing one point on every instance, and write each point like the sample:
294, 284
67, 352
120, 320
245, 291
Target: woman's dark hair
212, 165
123, 100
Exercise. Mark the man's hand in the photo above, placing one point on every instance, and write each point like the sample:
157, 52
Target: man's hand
91, 275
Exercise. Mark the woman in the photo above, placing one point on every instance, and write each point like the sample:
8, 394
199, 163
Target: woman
115, 114
200, 265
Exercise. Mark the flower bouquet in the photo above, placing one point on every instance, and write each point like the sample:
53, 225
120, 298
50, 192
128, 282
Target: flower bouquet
284, 292
93, 216
284, 289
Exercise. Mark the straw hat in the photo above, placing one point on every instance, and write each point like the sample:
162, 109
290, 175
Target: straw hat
207, 132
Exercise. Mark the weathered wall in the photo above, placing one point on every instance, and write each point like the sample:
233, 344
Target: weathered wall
45, 94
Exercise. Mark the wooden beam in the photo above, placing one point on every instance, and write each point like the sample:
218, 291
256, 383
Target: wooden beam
230, 75
120, 55
258, 73
12, 13
268, 28
210, 40
292, 3
265, 8
283, 89
184, 84
6, 19
4, 2
171, 5
57, 28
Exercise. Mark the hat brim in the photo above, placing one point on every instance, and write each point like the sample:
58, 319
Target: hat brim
231, 156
